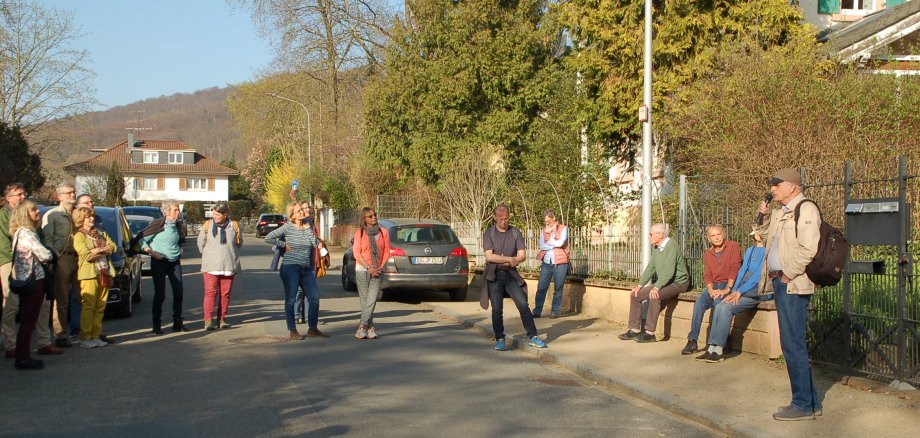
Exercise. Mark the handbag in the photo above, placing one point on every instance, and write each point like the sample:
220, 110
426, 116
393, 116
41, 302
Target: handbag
106, 280
25, 286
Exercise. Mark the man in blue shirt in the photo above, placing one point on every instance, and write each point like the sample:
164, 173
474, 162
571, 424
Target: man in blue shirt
743, 297
161, 241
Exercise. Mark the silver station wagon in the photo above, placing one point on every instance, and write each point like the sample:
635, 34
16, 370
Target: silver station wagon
425, 254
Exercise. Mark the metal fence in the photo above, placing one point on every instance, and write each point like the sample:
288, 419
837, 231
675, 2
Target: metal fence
868, 323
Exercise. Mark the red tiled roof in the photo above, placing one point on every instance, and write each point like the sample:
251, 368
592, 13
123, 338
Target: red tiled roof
103, 162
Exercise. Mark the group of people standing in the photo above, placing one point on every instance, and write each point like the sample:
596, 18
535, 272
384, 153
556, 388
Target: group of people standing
49, 255
67, 252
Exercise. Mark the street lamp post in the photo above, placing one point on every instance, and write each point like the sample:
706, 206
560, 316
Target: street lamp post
309, 139
647, 166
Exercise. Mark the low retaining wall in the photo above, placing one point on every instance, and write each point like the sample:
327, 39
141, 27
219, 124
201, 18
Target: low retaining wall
755, 331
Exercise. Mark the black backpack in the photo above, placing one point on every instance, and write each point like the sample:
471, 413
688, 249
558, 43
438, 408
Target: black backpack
826, 268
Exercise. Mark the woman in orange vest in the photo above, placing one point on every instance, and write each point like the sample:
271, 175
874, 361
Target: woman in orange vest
554, 259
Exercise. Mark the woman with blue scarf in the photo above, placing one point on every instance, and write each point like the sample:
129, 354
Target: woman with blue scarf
219, 243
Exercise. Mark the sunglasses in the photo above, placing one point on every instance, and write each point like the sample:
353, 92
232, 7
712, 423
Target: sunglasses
370, 215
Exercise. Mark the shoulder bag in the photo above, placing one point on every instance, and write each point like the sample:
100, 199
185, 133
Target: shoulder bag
24, 286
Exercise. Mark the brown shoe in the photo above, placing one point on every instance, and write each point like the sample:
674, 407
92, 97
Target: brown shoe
10, 354
295, 335
315, 333
50, 349
62, 343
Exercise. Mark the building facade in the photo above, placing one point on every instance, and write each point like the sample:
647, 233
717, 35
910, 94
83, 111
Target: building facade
155, 170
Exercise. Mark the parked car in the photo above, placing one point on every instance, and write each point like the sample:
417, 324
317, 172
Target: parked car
156, 213
268, 222
136, 223
424, 254
127, 282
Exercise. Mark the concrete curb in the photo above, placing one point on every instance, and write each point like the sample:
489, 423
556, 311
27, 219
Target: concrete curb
664, 401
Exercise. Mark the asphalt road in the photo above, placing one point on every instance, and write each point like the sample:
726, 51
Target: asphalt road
423, 377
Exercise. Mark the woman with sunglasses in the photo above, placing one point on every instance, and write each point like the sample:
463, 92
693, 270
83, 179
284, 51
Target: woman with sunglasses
371, 250
300, 244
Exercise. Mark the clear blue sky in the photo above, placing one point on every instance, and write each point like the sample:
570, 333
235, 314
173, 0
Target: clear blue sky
150, 48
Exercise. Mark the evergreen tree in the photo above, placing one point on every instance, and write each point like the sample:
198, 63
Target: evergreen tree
114, 186
17, 162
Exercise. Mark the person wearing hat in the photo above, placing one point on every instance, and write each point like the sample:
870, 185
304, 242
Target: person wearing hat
790, 246
720, 270
743, 297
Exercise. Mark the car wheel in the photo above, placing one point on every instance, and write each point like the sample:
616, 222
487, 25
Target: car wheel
124, 309
347, 284
459, 294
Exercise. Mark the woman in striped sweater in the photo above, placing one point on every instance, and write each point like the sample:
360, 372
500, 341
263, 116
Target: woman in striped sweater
298, 269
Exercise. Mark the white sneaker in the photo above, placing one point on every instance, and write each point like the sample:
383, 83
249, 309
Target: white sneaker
100, 343
89, 343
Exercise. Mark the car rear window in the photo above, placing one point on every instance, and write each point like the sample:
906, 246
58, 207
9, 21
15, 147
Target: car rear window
430, 234
272, 217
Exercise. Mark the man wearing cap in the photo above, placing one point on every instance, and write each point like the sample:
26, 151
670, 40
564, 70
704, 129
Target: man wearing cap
721, 263
790, 246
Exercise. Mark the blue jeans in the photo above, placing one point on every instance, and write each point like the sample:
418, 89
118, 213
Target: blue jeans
160, 270
703, 303
722, 319
557, 274
792, 311
304, 277
506, 283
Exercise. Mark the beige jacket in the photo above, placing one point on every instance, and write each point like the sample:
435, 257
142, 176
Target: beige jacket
794, 253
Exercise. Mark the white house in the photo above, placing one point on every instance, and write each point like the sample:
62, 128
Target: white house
156, 170
826, 13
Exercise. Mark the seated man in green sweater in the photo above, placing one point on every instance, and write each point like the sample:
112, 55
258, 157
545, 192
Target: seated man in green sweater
667, 268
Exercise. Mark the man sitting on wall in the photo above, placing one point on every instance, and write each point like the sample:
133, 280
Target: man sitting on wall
669, 271
720, 269
743, 297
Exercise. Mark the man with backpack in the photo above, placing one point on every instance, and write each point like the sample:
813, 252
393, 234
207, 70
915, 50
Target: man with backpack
792, 233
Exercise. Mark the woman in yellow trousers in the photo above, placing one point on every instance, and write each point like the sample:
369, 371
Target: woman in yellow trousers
95, 273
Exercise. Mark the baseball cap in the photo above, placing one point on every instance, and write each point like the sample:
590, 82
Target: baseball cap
788, 175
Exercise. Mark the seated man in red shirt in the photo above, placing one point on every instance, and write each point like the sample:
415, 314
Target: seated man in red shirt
721, 263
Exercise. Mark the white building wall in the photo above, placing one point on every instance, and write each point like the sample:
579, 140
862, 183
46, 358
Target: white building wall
809, 9
171, 190
221, 192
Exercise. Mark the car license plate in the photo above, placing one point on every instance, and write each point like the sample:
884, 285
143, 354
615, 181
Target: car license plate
427, 260
272, 225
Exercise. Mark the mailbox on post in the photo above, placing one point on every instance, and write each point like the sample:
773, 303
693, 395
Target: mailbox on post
873, 222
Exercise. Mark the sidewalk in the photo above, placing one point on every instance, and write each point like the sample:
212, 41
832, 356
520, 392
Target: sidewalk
737, 396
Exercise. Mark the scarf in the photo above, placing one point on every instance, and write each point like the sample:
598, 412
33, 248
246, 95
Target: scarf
372, 233
223, 230
102, 265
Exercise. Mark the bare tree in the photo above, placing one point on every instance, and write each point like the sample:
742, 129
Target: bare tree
324, 37
42, 79
471, 188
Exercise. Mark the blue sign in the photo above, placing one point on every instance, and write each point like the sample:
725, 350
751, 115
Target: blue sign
295, 184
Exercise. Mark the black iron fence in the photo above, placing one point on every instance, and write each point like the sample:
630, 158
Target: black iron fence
868, 323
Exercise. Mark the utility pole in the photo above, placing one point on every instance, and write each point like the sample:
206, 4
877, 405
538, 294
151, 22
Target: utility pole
647, 165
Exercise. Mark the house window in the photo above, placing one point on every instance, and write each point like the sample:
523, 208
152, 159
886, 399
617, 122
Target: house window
150, 183
175, 158
151, 158
196, 183
857, 7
